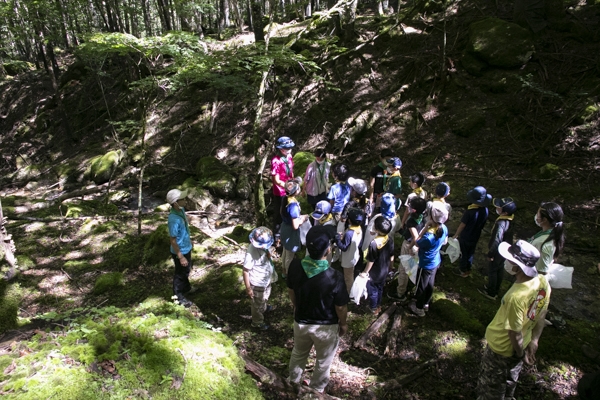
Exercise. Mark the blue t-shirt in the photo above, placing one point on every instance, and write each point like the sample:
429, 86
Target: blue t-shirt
340, 194
178, 230
429, 249
290, 212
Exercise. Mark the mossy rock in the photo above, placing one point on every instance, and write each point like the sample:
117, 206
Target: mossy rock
109, 281
231, 282
458, 317
198, 198
301, 161
10, 298
15, 67
549, 171
240, 234
157, 247
126, 253
500, 43
102, 167
472, 65
588, 113
216, 177
243, 189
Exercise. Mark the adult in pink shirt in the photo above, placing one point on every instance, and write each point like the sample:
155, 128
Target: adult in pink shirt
282, 170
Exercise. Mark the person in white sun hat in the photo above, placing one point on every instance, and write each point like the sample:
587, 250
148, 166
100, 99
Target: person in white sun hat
513, 335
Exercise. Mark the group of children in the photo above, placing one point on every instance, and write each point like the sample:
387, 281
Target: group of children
363, 223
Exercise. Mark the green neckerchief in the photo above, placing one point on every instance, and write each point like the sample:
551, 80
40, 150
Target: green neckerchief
387, 179
506, 217
181, 214
418, 219
287, 164
313, 267
473, 206
321, 177
382, 165
540, 233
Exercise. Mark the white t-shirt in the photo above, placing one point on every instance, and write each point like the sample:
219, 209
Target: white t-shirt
259, 266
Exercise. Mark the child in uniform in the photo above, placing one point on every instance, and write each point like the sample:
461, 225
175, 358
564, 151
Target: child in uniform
379, 258
339, 194
349, 243
501, 232
416, 183
258, 272
392, 180
376, 181
471, 225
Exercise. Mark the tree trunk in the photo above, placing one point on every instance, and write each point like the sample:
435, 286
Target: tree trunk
146, 12
257, 23
63, 23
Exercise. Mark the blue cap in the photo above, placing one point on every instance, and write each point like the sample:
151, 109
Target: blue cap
394, 162
478, 195
322, 208
261, 237
284, 142
388, 205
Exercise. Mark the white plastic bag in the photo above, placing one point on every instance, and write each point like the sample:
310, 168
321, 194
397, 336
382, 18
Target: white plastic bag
559, 276
359, 289
411, 266
304, 228
453, 250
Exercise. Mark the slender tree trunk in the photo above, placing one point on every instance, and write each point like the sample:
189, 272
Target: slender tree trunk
63, 24
146, 12
257, 24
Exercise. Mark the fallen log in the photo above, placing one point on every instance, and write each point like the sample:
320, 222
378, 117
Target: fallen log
362, 340
390, 348
276, 382
395, 384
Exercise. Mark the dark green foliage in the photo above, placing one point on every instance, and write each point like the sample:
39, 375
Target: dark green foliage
459, 317
126, 254
240, 234
108, 281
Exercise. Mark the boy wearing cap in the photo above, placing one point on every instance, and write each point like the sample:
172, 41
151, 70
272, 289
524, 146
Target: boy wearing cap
502, 232
358, 199
379, 258
388, 211
392, 180
377, 176
322, 214
513, 335
258, 272
282, 170
471, 225
291, 219
316, 178
319, 296
349, 244
181, 245
431, 239
339, 194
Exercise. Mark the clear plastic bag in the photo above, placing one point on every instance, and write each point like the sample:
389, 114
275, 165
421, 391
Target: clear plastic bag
411, 266
560, 277
359, 289
453, 250
304, 228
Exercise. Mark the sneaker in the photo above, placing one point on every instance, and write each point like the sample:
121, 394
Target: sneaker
374, 311
419, 312
186, 303
462, 274
397, 297
485, 294
262, 327
426, 307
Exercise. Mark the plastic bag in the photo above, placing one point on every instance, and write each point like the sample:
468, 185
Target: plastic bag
559, 276
453, 250
359, 289
411, 266
304, 228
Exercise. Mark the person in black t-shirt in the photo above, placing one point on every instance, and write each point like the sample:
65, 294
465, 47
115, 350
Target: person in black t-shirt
377, 178
320, 299
379, 259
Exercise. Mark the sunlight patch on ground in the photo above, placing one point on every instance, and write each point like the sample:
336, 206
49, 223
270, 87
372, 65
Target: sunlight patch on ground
36, 226
451, 345
50, 282
74, 255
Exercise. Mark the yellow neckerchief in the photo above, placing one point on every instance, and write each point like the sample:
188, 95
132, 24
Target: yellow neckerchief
439, 199
381, 241
432, 230
506, 217
473, 206
325, 219
291, 200
355, 228
418, 191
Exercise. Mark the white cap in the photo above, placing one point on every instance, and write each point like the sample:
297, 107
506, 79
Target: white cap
174, 195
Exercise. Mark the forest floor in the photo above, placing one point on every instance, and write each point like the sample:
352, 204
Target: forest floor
65, 250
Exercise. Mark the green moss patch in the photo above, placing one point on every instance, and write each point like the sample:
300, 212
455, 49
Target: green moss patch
458, 317
109, 281
301, 161
10, 298
156, 350
216, 177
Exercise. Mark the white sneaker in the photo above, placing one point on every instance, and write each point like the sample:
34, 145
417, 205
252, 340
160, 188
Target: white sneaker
419, 312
